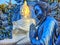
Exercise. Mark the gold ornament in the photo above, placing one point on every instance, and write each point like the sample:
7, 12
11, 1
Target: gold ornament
25, 11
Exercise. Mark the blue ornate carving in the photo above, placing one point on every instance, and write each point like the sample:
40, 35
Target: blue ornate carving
45, 33
5, 27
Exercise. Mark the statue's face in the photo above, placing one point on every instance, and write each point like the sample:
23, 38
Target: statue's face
38, 11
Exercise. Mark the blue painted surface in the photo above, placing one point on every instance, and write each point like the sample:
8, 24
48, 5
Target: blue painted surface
44, 32
58, 40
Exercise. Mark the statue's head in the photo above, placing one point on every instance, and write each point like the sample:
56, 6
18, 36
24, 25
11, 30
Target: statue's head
25, 10
39, 12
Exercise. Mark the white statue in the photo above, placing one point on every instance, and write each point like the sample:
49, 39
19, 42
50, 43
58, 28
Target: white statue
22, 26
